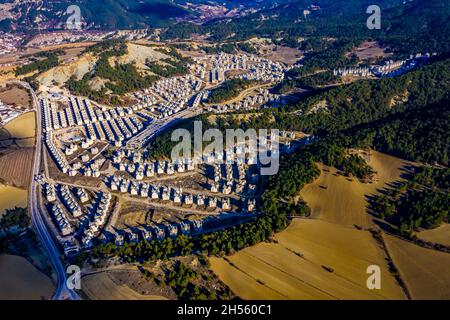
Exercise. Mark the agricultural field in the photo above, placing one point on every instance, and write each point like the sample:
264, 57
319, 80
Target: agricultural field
343, 200
425, 271
80, 65
11, 197
15, 167
325, 257
440, 235
20, 131
101, 286
20, 280
311, 259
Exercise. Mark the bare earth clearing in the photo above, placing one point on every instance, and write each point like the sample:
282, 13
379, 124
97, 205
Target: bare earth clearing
370, 50
16, 96
285, 55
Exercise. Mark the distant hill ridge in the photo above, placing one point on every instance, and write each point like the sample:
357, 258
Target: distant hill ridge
97, 14
107, 14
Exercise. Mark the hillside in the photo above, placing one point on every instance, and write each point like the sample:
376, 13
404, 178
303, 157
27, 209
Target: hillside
108, 70
115, 14
311, 259
86, 63
338, 199
423, 25
121, 14
326, 256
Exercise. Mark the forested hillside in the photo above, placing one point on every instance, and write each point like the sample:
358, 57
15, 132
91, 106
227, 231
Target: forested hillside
421, 202
104, 14
408, 27
419, 135
369, 100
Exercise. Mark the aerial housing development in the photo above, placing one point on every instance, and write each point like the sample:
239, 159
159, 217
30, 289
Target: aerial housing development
94, 142
224, 150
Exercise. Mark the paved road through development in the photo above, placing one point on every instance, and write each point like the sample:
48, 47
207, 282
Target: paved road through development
34, 204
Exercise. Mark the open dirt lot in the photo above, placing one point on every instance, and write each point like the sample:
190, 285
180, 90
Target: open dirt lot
313, 259
133, 214
20, 280
370, 50
285, 55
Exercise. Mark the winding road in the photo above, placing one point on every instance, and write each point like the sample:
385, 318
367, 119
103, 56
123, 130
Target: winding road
38, 221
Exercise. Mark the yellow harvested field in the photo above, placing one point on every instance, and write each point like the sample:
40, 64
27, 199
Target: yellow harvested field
11, 197
313, 259
327, 257
241, 283
20, 280
439, 235
425, 271
100, 286
23, 129
321, 258
342, 200
15, 167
